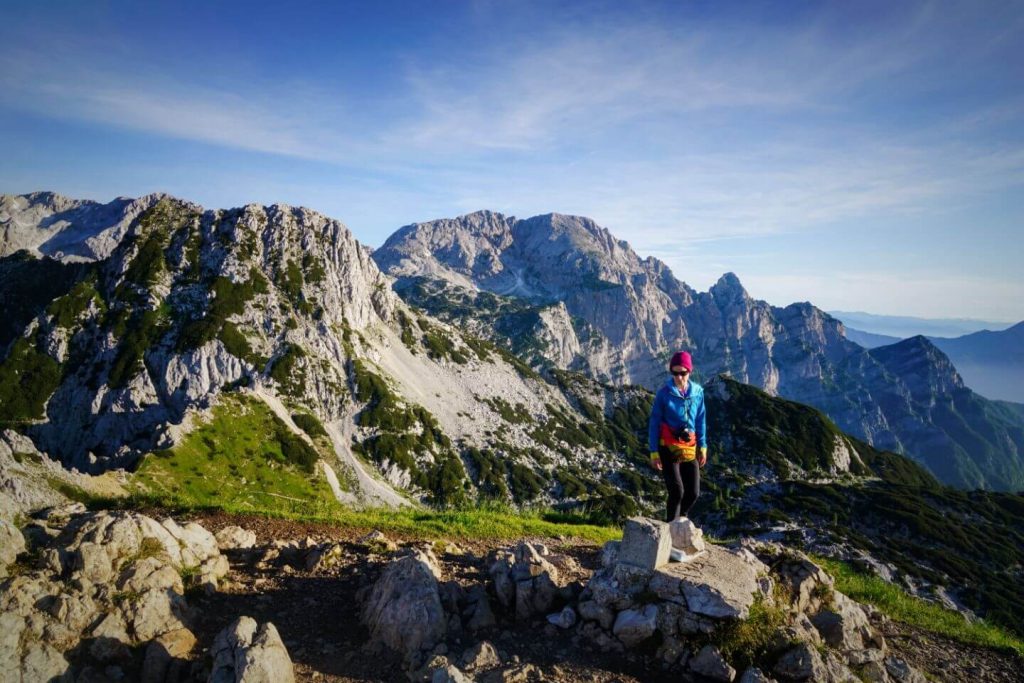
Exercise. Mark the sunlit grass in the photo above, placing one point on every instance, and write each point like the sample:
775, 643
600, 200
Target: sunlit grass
903, 607
485, 521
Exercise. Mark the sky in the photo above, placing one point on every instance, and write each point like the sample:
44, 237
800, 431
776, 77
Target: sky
864, 156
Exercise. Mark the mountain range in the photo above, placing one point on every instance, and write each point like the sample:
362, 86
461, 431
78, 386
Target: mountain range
562, 291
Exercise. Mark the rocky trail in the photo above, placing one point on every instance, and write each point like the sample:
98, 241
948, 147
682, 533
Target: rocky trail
316, 614
215, 597
315, 611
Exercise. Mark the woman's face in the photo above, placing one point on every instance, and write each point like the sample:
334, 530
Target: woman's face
679, 374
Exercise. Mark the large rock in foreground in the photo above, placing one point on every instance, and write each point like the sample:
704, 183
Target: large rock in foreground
247, 653
404, 610
720, 584
645, 543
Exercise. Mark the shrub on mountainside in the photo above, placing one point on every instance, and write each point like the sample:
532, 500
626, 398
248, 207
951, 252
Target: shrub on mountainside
28, 377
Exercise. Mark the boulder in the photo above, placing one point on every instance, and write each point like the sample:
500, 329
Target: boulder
720, 583
154, 613
403, 609
844, 625
646, 543
802, 663
529, 578
633, 626
235, 538
710, 663
92, 563
246, 653
809, 584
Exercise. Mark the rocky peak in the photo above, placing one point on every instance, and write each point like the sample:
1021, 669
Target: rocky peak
922, 365
728, 290
46, 223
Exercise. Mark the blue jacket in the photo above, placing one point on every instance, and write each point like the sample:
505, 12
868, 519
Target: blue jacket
677, 411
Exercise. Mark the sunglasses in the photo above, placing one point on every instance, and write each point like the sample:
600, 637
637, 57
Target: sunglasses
680, 373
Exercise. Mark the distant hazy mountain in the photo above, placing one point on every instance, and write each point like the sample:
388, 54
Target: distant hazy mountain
991, 363
901, 327
566, 293
869, 340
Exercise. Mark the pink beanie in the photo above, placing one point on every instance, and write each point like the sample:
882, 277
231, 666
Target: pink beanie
681, 358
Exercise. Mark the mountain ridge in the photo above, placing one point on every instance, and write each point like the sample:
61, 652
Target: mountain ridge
624, 315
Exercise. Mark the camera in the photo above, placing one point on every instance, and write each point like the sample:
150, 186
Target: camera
684, 434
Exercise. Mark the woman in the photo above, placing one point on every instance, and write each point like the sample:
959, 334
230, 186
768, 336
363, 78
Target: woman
676, 436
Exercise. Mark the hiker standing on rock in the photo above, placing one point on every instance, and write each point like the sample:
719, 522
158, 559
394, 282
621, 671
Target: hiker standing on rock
677, 436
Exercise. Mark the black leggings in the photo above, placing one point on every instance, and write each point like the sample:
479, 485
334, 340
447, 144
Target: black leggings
682, 480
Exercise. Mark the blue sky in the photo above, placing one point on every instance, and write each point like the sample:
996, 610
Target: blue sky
860, 155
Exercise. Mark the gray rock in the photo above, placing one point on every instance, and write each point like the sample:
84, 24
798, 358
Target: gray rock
808, 583
589, 609
155, 612
645, 543
93, 561
235, 538
530, 579
710, 663
12, 544
150, 573
403, 609
633, 626
844, 625
801, 663
246, 653
875, 672
564, 619
719, 584
605, 591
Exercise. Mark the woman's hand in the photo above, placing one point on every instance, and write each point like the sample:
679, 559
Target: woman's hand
702, 457
656, 461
